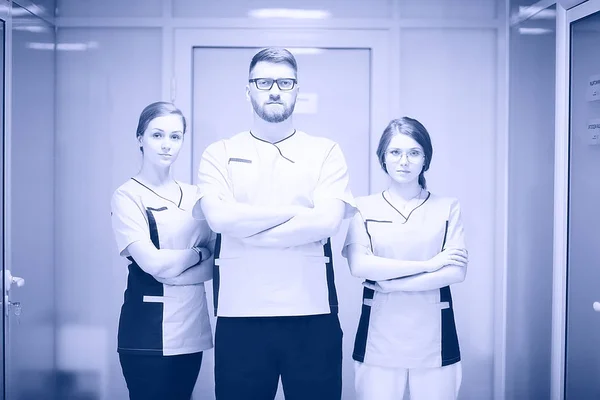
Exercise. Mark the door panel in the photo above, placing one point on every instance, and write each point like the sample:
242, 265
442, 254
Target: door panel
31, 353
332, 81
583, 263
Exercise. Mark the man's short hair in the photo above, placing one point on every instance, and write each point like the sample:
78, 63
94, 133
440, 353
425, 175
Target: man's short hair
274, 55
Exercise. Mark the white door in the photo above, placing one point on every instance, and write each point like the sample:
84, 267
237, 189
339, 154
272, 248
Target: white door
580, 235
335, 101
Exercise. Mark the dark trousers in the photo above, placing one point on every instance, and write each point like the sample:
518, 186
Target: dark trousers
151, 377
252, 353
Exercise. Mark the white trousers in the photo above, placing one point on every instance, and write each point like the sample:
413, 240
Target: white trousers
381, 383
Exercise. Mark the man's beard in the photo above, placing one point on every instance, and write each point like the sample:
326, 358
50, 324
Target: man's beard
272, 117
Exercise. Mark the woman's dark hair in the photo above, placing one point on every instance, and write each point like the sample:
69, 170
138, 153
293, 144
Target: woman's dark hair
155, 110
410, 127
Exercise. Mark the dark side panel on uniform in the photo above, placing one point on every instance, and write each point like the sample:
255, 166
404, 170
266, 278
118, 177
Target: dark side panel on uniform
216, 278
360, 342
450, 346
140, 325
327, 252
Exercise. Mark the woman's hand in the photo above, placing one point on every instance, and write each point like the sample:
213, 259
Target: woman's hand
204, 253
458, 257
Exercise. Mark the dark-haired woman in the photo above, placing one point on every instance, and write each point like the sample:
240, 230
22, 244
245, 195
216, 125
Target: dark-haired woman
408, 245
164, 325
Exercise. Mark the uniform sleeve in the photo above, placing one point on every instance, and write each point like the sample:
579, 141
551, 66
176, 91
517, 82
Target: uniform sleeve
129, 222
334, 181
207, 234
455, 236
357, 234
213, 177
213, 236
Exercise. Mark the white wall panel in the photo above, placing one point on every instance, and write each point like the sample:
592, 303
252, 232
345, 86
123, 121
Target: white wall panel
101, 92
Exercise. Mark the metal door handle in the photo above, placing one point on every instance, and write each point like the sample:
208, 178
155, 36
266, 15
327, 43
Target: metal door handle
18, 281
9, 280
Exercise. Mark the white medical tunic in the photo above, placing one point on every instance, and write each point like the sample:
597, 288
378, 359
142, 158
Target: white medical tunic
252, 281
156, 318
407, 329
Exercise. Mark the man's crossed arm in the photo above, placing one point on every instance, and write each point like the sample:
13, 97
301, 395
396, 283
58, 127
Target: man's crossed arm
280, 227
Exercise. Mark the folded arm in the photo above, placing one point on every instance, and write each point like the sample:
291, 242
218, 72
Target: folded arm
195, 274
162, 263
445, 276
363, 264
309, 225
242, 220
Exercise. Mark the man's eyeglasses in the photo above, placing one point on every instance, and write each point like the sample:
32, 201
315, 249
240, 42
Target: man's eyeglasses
267, 83
413, 156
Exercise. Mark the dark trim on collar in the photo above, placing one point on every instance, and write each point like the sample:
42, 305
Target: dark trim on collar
275, 144
169, 200
266, 141
411, 211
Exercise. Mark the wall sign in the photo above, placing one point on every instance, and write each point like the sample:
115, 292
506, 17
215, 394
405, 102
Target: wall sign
306, 103
593, 89
593, 132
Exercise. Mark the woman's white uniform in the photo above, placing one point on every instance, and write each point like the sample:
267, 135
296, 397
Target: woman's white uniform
407, 333
159, 319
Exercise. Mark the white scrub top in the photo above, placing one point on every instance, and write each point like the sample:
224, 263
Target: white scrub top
156, 318
407, 329
251, 281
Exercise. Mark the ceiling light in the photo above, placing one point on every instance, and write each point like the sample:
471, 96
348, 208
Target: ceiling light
534, 31
291, 13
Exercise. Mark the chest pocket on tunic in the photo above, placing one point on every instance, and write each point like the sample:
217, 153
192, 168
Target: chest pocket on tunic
380, 232
244, 175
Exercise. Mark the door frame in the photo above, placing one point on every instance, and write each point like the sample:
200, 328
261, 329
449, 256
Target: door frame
6, 17
378, 41
564, 19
